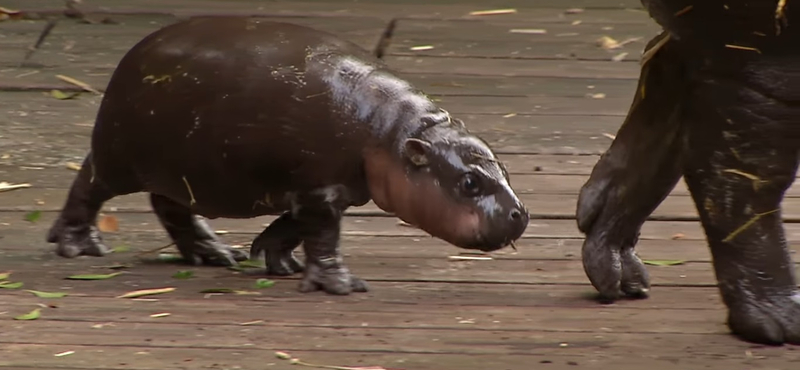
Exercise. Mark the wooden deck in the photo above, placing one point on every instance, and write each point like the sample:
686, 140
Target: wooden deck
546, 101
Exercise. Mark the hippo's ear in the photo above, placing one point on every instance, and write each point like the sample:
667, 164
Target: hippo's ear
417, 151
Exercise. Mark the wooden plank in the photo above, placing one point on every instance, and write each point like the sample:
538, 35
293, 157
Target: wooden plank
600, 12
663, 355
377, 226
676, 207
514, 40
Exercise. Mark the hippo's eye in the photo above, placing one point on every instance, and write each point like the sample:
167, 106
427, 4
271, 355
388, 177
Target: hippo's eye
470, 185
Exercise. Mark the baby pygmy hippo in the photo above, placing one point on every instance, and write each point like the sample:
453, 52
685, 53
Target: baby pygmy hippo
239, 117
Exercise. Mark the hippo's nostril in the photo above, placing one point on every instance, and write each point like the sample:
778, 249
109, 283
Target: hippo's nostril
515, 215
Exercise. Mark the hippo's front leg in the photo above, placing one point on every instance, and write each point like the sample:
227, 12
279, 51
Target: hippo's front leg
741, 156
633, 177
277, 243
319, 215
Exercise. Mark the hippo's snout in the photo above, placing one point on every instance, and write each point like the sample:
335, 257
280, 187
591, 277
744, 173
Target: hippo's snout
503, 230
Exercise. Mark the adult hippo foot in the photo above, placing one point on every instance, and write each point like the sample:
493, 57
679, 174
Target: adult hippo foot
329, 275
632, 178
277, 244
774, 320
77, 241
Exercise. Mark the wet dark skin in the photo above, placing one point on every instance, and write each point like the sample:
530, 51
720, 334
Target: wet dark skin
719, 105
239, 117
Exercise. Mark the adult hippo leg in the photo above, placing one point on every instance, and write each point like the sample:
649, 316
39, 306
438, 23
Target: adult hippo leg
633, 177
277, 243
191, 234
75, 230
319, 215
741, 156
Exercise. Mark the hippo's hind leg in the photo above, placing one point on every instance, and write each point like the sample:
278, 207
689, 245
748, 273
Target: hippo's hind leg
277, 243
632, 178
193, 237
741, 156
75, 231
319, 215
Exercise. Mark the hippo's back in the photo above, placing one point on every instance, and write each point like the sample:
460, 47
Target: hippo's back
237, 104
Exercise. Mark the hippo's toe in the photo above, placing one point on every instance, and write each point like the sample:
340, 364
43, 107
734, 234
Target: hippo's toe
773, 321
78, 241
336, 280
210, 252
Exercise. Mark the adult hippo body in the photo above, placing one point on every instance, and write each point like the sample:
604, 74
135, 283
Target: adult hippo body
239, 117
718, 102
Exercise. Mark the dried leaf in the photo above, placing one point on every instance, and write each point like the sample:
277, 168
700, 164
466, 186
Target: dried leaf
60, 95
33, 315
73, 166
121, 249
264, 283
10, 285
5, 275
530, 31
607, 43
183, 274
93, 276
493, 12
245, 292
663, 262
108, 224
252, 264
170, 257
146, 292
33, 216
47, 294
619, 57
81, 84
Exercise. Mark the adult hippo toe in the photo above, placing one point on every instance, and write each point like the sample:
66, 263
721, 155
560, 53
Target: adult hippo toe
239, 117
718, 102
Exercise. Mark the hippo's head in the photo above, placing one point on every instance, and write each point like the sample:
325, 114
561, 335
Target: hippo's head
450, 184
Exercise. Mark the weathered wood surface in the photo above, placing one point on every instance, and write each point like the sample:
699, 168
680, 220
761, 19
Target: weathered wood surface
547, 101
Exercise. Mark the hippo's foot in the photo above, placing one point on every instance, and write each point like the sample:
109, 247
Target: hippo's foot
631, 179
193, 237
773, 320
739, 159
277, 244
75, 230
331, 276
77, 241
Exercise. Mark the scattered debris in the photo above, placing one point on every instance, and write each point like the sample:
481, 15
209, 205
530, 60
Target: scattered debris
73, 166
51, 23
146, 292
296, 361
678, 236
609, 43
610, 136
192, 201
65, 353
121, 249
493, 12
163, 314
470, 258
10, 285
747, 225
33, 216
684, 10
221, 232
405, 224
264, 283
421, 48
385, 39
574, 11
165, 257
7, 186
597, 96
5, 275
252, 323
619, 57
60, 95
81, 84
47, 294
739, 47
183, 274
93, 276
33, 315
108, 224
648, 54
533, 31
663, 262
510, 115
